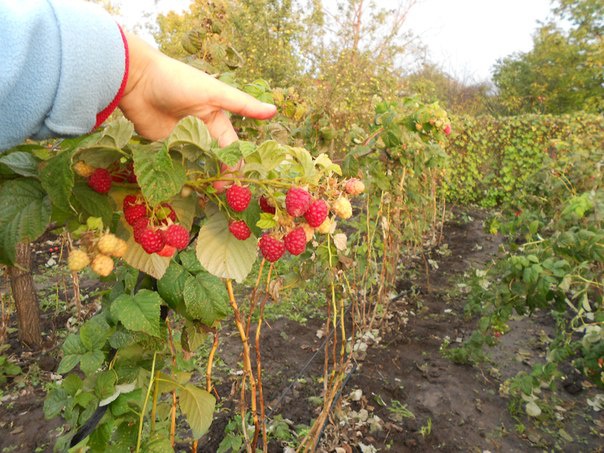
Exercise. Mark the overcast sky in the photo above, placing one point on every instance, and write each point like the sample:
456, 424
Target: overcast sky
464, 37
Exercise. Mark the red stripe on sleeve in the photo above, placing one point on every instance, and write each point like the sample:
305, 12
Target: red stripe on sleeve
104, 114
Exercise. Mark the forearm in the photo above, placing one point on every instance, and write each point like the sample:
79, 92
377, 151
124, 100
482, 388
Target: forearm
64, 66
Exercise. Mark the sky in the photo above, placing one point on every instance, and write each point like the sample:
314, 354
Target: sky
465, 38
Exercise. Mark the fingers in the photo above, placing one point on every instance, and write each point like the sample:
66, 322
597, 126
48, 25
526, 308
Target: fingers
228, 98
222, 130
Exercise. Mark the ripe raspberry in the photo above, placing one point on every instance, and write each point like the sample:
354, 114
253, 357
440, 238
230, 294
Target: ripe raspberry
120, 249
129, 200
78, 260
447, 129
102, 265
354, 186
297, 201
177, 236
100, 180
107, 244
295, 241
266, 206
152, 241
240, 230
138, 227
134, 212
168, 251
317, 213
82, 169
342, 208
271, 248
238, 197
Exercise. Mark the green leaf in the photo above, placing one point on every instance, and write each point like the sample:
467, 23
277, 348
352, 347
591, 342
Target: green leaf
198, 407
93, 203
267, 221
117, 133
190, 262
140, 312
24, 214
91, 361
192, 135
230, 155
223, 255
94, 333
105, 384
206, 298
265, 158
57, 179
21, 163
170, 287
73, 349
159, 177
54, 402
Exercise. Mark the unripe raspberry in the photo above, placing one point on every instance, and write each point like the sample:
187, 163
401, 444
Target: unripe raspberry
309, 231
186, 191
120, 249
266, 206
327, 227
165, 212
238, 197
342, 208
102, 265
82, 169
354, 187
317, 213
297, 201
271, 248
295, 241
240, 230
100, 180
77, 260
107, 244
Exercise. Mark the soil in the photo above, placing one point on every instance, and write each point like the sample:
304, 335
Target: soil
449, 407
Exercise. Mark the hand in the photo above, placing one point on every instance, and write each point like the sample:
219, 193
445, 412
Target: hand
161, 91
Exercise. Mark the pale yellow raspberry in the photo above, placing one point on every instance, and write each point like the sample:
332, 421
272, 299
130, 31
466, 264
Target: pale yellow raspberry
107, 244
342, 208
83, 169
120, 249
102, 265
77, 260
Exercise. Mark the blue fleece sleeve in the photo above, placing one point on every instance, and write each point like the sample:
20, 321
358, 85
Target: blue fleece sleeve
61, 63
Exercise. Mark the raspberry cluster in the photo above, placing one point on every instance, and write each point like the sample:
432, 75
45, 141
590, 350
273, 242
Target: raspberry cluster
101, 179
98, 253
300, 215
156, 230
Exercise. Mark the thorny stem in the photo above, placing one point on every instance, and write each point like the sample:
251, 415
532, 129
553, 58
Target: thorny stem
174, 399
253, 296
246, 359
211, 362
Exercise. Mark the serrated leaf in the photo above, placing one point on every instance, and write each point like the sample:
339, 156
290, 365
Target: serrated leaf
140, 312
93, 203
192, 135
197, 405
91, 361
21, 163
57, 179
230, 155
95, 332
117, 133
172, 284
206, 298
221, 254
190, 262
24, 214
304, 160
73, 349
328, 166
105, 384
159, 177
54, 403
265, 158
267, 221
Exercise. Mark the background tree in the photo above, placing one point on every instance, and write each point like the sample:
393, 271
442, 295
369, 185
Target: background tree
563, 71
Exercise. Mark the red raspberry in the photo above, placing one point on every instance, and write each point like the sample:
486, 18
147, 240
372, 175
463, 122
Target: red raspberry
447, 129
100, 180
271, 248
129, 200
168, 251
295, 241
317, 213
139, 226
240, 230
177, 236
238, 197
152, 241
265, 205
297, 201
134, 212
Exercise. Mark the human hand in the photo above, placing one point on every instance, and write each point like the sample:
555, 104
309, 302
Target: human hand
161, 91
